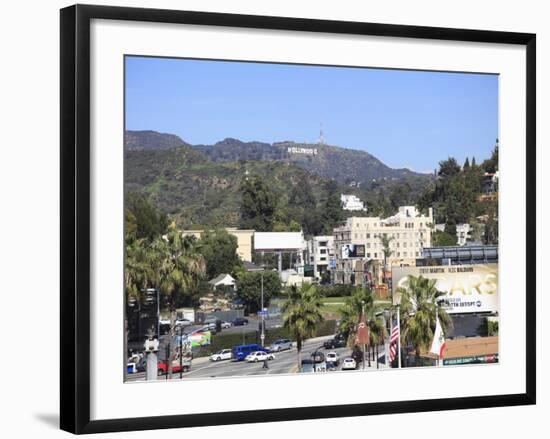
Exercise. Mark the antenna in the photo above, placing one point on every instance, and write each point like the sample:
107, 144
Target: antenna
321, 140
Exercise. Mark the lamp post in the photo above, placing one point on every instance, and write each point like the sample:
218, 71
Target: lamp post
181, 351
262, 336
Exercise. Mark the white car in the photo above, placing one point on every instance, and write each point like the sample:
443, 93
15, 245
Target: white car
349, 364
256, 356
226, 325
332, 357
224, 354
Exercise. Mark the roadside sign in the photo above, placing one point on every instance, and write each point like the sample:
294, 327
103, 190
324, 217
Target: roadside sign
262, 313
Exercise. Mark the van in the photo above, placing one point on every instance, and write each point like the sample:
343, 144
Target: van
239, 353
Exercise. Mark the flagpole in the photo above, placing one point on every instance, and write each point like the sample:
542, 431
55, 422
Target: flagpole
436, 321
399, 338
363, 316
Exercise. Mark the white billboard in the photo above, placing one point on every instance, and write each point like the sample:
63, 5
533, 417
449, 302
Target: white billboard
468, 288
278, 241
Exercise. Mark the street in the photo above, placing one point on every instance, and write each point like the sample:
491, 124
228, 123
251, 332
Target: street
285, 362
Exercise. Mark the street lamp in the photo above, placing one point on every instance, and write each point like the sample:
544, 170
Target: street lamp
262, 336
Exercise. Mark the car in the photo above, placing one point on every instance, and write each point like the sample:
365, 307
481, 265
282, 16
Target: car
162, 367
349, 364
240, 321
226, 325
333, 360
256, 356
183, 322
240, 352
336, 342
280, 345
224, 354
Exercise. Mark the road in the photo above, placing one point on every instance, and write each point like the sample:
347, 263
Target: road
285, 362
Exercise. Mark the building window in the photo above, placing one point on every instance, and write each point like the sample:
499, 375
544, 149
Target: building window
375, 255
323, 251
368, 255
368, 235
405, 254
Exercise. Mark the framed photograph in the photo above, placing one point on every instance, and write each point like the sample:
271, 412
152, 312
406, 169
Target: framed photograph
275, 218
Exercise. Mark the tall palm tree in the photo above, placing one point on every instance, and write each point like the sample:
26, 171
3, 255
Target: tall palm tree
362, 298
421, 302
180, 268
139, 273
386, 241
302, 313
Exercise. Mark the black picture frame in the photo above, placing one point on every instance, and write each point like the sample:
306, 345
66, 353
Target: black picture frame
75, 217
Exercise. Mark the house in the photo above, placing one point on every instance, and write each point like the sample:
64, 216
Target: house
223, 280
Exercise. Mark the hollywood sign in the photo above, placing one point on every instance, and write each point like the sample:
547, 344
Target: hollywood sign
296, 150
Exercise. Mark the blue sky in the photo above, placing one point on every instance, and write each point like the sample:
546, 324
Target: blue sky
405, 118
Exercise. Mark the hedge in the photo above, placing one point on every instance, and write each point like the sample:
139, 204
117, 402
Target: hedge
227, 341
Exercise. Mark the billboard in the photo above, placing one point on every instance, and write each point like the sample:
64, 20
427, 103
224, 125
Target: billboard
467, 288
270, 241
353, 251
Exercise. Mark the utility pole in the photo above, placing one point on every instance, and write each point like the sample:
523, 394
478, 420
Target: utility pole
262, 336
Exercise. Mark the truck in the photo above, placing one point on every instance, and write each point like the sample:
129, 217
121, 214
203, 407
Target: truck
183, 357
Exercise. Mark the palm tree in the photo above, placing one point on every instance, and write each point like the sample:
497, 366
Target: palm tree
302, 313
139, 272
180, 268
421, 304
362, 298
386, 240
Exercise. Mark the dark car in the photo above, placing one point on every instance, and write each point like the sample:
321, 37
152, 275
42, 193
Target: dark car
240, 321
336, 342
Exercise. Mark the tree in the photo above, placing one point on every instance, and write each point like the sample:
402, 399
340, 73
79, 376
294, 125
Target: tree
219, 250
180, 269
421, 302
448, 168
142, 219
443, 239
301, 314
386, 241
466, 164
491, 165
331, 213
362, 298
258, 204
249, 288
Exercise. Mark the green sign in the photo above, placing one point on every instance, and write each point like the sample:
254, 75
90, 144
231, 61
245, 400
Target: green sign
471, 360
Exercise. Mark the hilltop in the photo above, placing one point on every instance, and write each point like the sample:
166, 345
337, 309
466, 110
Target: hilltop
327, 161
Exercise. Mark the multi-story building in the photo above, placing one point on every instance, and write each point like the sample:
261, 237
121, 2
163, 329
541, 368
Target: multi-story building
408, 231
320, 251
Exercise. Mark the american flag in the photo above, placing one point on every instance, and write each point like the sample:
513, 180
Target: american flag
393, 340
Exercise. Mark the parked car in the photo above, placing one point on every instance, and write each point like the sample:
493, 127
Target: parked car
226, 325
183, 322
349, 364
333, 360
336, 342
240, 321
256, 356
280, 345
224, 354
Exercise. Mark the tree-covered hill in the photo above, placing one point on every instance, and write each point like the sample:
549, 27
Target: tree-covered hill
347, 166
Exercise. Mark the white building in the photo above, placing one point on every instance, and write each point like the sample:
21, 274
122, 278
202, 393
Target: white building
408, 231
352, 203
320, 250
462, 233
